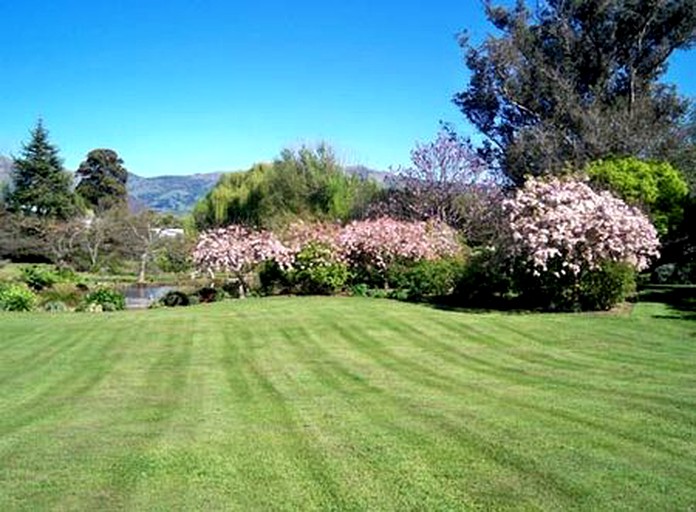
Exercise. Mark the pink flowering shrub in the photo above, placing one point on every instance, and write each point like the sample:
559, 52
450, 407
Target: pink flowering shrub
567, 221
317, 258
380, 242
575, 241
238, 250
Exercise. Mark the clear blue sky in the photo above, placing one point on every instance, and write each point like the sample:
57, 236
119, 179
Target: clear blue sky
187, 86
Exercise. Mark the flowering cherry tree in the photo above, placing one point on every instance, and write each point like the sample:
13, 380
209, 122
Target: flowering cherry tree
565, 223
379, 242
237, 250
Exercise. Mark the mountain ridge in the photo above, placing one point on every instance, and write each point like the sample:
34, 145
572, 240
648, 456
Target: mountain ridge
177, 194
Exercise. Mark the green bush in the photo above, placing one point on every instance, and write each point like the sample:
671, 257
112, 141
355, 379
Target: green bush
38, 278
591, 290
175, 298
604, 288
16, 297
425, 278
208, 294
107, 298
317, 272
70, 294
485, 281
55, 306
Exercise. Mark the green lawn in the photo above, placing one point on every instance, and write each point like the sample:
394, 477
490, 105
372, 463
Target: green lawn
347, 404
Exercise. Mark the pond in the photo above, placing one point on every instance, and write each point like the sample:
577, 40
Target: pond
142, 295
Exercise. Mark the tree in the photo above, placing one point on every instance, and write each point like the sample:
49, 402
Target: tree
656, 187
576, 81
238, 250
102, 179
574, 245
41, 187
447, 182
306, 184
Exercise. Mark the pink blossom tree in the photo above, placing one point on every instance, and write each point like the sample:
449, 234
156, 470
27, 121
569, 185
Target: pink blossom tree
569, 234
238, 250
566, 220
378, 243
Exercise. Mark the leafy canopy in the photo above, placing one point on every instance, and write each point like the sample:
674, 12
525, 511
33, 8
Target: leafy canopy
306, 184
570, 82
656, 186
102, 179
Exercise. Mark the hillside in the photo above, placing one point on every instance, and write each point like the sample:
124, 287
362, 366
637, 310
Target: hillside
170, 194
178, 194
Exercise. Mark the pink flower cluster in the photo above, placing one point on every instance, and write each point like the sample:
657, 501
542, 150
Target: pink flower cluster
376, 242
381, 241
567, 221
237, 249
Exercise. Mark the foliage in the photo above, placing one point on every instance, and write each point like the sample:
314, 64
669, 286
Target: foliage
16, 297
573, 82
102, 180
70, 294
655, 186
565, 220
40, 186
603, 288
425, 278
173, 255
305, 184
175, 298
371, 246
208, 294
107, 298
316, 269
573, 244
38, 278
55, 306
487, 279
238, 250
450, 183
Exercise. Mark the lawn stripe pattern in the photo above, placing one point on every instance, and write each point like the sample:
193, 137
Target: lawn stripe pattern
347, 404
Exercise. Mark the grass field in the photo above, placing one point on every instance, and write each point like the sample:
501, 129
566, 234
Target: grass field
347, 404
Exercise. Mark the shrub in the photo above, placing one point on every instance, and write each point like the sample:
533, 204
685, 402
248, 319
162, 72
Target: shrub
316, 270
425, 278
38, 278
566, 237
175, 298
208, 294
607, 286
68, 293
107, 298
55, 306
16, 297
656, 186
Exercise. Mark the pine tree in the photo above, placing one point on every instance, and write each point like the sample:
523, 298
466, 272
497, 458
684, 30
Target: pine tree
40, 186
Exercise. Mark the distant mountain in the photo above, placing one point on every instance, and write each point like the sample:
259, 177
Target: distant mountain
178, 194
170, 194
5, 168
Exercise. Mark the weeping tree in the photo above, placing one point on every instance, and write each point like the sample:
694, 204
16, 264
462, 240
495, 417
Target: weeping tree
572, 81
308, 184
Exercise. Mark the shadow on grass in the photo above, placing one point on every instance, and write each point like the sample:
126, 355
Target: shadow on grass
681, 299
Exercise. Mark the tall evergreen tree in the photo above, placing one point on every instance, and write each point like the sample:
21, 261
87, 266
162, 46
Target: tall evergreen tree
40, 186
103, 179
571, 81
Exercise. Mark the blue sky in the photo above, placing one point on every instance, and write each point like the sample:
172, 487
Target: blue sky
188, 86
